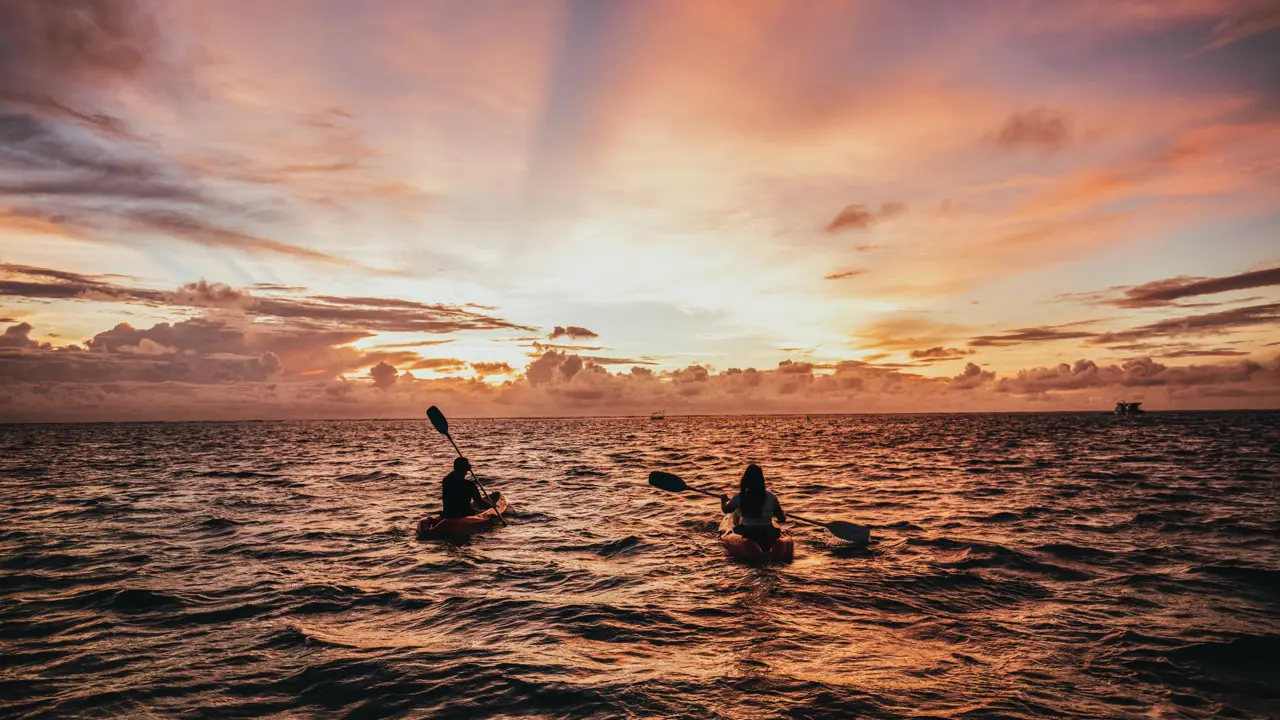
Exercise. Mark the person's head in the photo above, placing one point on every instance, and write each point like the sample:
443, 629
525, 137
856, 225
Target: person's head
461, 465
752, 490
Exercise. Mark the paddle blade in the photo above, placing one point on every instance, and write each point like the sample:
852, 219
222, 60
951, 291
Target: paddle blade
667, 481
438, 420
849, 531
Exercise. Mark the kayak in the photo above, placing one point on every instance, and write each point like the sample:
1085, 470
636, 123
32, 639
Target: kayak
437, 527
783, 549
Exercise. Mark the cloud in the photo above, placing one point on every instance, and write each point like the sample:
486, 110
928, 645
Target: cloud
905, 331
196, 353
108, 189
201, 232
1193, 325
1029, 335
17, 336
1162, 293
553, 365
845, 274
1204, 352
1252, 18
1039, 129
598, 360
47, 47
1140, 372
100, 384
860, 217
86, 174
485, 369
384, 375
572, 331
366, 313
938, 353
439, 364
540, 347
971, 377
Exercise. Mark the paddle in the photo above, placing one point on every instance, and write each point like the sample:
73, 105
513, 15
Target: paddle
843, 530
441, 424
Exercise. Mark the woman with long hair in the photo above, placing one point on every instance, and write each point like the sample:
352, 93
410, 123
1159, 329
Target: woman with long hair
756, 508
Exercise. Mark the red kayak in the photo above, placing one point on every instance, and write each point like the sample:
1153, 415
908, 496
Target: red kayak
437, 527
783, 549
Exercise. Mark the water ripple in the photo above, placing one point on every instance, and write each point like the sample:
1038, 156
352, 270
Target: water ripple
1052, 565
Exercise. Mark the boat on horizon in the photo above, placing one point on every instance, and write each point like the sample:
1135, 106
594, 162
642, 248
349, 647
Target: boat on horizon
1129, 408
660, 415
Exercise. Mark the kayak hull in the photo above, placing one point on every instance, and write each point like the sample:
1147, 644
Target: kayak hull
783, 549
436, 527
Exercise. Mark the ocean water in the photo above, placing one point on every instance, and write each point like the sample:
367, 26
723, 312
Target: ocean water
1023, 565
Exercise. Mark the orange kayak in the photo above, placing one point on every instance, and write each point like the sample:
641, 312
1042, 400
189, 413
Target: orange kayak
783, 549
437, 527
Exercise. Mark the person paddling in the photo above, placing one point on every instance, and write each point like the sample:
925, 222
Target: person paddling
756, 508
458, 492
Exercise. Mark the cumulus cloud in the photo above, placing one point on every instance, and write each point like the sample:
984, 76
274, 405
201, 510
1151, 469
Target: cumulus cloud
971, 377
860, 217
17, 336
565, 384
1040, 129
572, 331
384, 375
1140, 372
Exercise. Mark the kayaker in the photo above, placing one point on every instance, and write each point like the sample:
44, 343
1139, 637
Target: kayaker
459, 492
756, 508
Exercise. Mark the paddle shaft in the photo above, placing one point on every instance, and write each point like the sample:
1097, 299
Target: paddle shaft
477, 480
793, 516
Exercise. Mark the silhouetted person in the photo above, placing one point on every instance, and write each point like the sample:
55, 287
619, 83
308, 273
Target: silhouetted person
756, 508
459, 492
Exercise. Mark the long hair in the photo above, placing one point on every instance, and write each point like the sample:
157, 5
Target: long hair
751, 488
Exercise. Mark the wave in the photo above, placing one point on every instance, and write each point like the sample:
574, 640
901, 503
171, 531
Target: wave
189, 569
368, 476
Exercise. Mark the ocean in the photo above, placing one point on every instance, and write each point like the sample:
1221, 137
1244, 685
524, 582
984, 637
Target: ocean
1022, 566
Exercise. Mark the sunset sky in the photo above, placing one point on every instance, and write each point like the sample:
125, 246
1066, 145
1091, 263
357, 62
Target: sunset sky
220, 209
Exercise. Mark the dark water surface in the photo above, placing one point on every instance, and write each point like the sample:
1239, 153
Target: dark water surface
1024, 566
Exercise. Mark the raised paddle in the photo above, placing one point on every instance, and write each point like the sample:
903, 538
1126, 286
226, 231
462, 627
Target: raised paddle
441, 424
843, 530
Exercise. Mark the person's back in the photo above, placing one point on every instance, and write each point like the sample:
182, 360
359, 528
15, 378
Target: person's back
763, 517
458, 492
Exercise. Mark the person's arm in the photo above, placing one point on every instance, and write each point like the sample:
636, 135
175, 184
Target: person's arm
728, 505
777, 511
478, 497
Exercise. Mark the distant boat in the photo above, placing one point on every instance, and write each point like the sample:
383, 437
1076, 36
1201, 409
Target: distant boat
660, 415
1128, 408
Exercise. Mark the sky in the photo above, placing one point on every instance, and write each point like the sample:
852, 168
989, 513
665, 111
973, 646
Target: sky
324, 209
